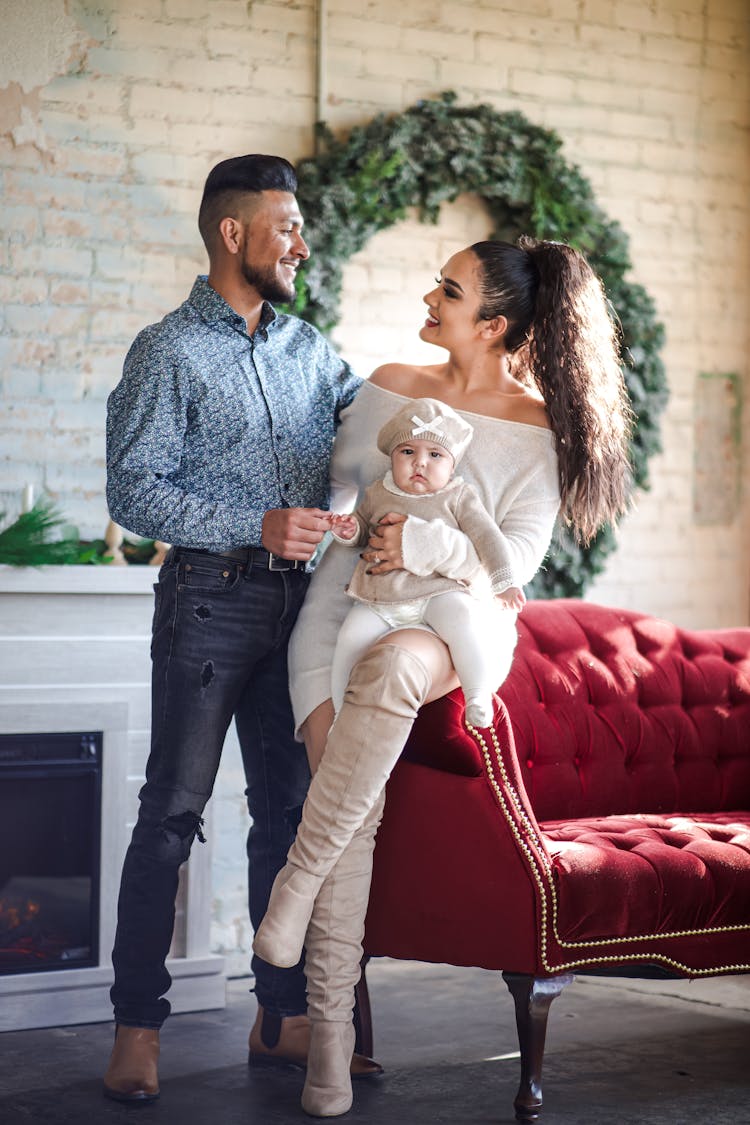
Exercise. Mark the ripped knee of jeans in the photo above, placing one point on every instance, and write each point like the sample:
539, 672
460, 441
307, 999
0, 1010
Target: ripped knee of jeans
174, 835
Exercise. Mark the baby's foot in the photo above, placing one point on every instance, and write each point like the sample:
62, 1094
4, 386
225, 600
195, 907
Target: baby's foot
479, 712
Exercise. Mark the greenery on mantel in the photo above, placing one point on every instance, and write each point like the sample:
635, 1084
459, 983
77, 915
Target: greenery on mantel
44, 537
432, 153
39, 537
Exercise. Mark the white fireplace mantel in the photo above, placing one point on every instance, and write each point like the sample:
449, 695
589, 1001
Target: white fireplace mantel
74, 656
103, 579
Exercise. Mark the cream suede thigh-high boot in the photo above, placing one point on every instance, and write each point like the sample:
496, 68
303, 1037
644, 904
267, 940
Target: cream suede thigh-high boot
385, 691
333, 956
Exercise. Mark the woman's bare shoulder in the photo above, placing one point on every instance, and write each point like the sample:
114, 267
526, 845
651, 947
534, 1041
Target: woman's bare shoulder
530, 410
389, 376
522, 405
405, 379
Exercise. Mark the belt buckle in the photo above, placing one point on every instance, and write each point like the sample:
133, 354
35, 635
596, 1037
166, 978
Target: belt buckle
273, 559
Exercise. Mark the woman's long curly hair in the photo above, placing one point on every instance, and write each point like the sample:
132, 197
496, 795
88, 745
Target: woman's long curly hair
562, 338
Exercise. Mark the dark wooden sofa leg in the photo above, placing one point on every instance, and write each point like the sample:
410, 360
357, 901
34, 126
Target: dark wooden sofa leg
532, 997
363, 1015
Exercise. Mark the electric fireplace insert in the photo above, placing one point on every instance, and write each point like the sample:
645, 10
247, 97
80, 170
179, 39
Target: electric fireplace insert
50, 814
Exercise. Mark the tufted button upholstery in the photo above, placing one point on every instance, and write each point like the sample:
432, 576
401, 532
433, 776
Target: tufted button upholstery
614, 712
606, 821
650, 874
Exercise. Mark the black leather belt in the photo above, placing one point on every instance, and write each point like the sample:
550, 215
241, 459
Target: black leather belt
252, 556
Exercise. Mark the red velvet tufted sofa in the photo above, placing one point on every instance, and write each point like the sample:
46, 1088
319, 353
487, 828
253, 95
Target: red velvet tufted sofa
603, 825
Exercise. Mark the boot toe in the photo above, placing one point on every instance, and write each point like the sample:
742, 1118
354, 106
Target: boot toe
365, 1067
138, 1096
280, 937
316, 1104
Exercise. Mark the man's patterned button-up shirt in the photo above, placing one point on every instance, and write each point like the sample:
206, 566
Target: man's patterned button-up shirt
210, 428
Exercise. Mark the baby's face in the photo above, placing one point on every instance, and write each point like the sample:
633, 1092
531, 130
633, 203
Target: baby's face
421, 466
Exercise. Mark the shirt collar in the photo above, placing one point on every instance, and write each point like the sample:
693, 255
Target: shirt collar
212, 307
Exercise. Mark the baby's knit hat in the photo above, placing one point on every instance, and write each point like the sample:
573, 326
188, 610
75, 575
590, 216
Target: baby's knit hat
430, 420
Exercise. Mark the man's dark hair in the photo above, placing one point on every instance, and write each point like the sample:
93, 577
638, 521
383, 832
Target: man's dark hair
235, 177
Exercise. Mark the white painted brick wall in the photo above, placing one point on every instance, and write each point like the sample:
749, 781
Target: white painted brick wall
107, 133
651, 102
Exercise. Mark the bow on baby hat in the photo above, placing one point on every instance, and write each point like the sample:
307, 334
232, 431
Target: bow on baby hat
430, 420
421, 427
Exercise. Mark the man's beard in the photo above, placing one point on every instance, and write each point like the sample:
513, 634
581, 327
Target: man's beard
268, 284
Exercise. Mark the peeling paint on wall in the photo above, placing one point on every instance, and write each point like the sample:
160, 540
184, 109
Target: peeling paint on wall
17, 109
21, 113
717, 466
42, 41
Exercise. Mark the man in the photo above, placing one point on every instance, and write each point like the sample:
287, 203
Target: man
218, 442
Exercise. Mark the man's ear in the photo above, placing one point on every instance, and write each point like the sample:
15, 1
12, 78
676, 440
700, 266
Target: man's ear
494, 329
230, 233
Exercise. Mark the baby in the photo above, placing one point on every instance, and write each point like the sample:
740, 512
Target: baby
425, 442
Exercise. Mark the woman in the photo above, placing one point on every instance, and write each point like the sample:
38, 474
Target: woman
532, 359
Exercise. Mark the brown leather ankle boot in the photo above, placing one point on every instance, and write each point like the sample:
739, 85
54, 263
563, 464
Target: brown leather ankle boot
132, 1074
277, 1041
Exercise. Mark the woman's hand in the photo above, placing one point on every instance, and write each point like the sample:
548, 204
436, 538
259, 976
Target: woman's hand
384, 545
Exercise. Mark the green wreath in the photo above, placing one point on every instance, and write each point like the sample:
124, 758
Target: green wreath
432, 153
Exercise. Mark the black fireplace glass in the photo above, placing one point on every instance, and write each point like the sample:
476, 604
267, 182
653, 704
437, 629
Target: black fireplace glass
50, 816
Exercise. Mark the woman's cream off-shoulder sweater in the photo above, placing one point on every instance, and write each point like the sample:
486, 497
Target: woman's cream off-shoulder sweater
513, 468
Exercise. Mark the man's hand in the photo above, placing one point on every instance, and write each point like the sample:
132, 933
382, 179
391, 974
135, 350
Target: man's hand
384, 545
345, 527
512, 598
294, 533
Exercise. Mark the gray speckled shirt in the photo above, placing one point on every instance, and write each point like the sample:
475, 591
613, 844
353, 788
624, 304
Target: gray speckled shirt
210, 428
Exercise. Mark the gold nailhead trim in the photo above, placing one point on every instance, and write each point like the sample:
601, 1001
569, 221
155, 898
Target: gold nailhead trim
534, 862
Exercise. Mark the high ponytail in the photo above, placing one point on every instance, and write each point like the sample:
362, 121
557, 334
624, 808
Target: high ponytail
567, 346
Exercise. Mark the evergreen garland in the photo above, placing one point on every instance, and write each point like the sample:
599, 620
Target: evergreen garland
39, 537
432, 153
44, 537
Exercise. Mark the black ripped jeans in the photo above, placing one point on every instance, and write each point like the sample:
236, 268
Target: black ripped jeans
219, 643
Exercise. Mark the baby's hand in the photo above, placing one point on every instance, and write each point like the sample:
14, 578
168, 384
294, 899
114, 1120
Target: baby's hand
344, 526
512, 598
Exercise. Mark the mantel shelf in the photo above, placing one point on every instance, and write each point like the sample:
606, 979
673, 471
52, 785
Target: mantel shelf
77, 579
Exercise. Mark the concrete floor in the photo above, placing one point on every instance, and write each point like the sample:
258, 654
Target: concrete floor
618, 1053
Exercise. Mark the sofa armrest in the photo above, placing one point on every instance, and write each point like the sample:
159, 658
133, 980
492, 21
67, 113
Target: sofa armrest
458, 843
440, 740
